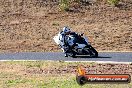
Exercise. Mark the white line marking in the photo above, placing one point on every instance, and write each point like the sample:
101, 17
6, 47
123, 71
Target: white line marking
112, 62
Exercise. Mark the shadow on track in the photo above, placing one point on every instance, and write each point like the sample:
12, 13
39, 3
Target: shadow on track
92, 57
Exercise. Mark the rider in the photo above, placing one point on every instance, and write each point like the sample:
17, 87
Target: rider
64, 39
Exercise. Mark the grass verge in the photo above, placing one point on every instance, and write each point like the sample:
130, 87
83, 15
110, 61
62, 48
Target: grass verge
46, 74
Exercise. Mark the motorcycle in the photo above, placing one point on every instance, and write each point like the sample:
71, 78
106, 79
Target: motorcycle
82, 47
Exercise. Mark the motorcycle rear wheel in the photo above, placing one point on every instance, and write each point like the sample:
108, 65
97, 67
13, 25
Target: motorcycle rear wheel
72, 54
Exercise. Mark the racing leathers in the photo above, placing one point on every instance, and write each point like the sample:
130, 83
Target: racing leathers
65, 41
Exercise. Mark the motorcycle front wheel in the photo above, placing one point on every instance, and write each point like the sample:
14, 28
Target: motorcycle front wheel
92, 51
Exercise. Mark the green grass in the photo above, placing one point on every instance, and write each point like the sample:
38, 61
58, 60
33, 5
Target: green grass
15, 75
64, 5
113, 2
60, 82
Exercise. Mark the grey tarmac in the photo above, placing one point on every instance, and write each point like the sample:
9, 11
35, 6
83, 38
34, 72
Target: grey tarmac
57, 56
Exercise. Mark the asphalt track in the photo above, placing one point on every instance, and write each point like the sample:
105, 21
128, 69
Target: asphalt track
57, 56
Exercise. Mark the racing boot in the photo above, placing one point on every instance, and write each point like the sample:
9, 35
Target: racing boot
65, 52
66, 55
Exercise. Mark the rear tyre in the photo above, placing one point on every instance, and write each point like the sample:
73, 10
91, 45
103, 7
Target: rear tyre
72, 54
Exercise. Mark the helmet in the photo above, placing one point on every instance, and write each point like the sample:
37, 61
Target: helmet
66, 30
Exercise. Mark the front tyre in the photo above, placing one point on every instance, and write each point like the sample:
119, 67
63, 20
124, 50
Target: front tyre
92, 51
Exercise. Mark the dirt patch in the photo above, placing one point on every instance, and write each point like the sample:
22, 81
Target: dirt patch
91, 69
30, 25
47, 67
